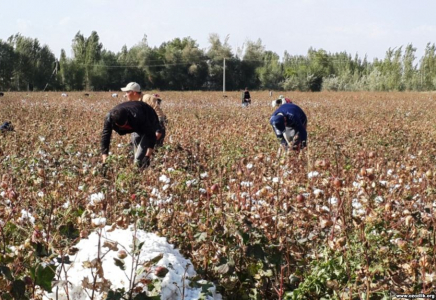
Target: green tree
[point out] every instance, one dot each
(109, 72)
(45, 65)
(409, 76)
(252, 60)
(141, 60)
(296, 71)
(348, 74)
(25, 50)
(270, 73)
(87, 53)
(7, 62)
(427, 68)
(130, 66)
(174, 67)
(197, 68)
(320, 66)
(71, 74)
(34, 64)
(185, 65)
(393, 69)
(218, 51)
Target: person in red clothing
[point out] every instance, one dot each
(281, 100)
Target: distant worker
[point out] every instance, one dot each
(133, 93)
(281, 100)
(246, 98)
(6, 126)
(137, 118)
(289, 123)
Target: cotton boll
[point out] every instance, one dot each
(122, 254)
(312, 174)
(98, 222)
(318, 193)
(163, 178)
(96, 198)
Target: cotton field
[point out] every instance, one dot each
(220, 213)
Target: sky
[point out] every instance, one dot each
(364, 28)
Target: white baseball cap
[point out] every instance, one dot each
(132, 86)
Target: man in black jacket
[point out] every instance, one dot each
(137, 118)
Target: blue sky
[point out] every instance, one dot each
(365, 27)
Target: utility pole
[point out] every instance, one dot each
(224, 63)
(224, 75)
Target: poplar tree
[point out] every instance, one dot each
(7, 63)
(87, 53)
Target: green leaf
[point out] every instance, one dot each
(6, 296)
(140, 270)
(43, 276)
(201, 236)
(69, 231)
(302, 241)
(244, 236)
(119, 263)
(6, 272)
(205, 288)
(256, 251)
(18, 290)
(143, 296)
(139, 246)
(153, 260)
(267, 273)
(222, 269)
(253, 268)
(10, 228)
(114, 295)
(377, 268)
(40, 250)
(78, 212)
(161, 271)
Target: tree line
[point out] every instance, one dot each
(26, 65)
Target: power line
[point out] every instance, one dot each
(149, 66)
(298, 61)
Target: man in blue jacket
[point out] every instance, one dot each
(289, 123)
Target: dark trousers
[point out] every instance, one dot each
(246, 102)
(140, 146)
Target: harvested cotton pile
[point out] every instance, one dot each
(161, 270)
